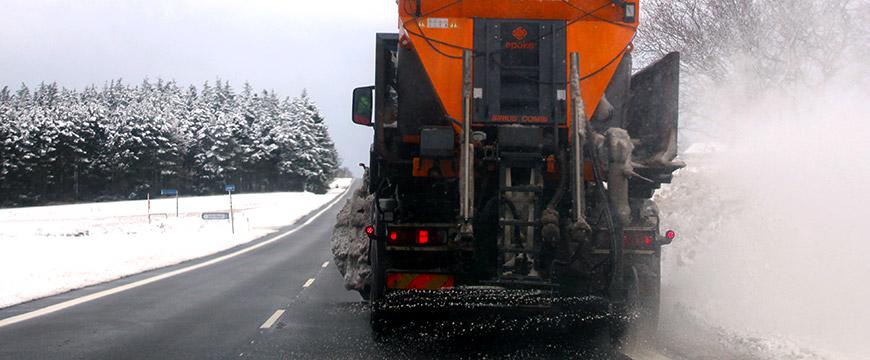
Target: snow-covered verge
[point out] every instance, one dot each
(771, 236)
(53, 249)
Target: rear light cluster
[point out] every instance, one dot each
(639, 240)
(417, 237)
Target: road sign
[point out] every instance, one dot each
(229, 188)
(216, 216)
(168, 192)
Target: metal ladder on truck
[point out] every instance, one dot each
(520, 210)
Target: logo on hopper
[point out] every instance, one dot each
(520, 33)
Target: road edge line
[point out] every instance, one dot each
(118, 289)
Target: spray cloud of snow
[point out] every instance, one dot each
(773, 228)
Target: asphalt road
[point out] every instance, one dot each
(283, 300)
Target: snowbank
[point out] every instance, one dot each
(350, 245)
(53, 249)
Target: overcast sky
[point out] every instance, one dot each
(325, 46)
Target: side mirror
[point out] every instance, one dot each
(362, 105)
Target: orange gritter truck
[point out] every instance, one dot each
(514, 159)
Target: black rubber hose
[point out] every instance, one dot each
(611, 224)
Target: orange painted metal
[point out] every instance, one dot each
(588, 171)
(601, 47)
(512, 9)
(423, 167)
(443, 63)
(411, 139)
(551, 164)
(595, 30)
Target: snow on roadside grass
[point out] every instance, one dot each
(52, 249)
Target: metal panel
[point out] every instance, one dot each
(419, 104)
(653, 111)
(437, 141)
(519, 71)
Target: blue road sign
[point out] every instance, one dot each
(169, 192)
(216, 216)
(229, 188)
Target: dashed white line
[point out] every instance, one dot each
(325, 264)
(308, 283)
(81, 300)
(272, 319)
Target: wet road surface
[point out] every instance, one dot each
(283, 299)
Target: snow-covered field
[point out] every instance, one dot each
(52, 249)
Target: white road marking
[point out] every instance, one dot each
(81, 300)
(272, 319)
(308, 283)
(325, 264)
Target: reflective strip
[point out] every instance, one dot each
(418, 281)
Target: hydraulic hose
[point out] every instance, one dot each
(611, 223)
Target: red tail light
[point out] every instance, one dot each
(402, 236)
(423, 237)
(638, 240)
(670, 234)
(370, 231)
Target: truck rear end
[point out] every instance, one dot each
(515, 153)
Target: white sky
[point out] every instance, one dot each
(325, 46)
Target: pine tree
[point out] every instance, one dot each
(8, 137)
(319, 158)
(93, 170)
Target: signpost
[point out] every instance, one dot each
(229, 189)
(171, 192)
